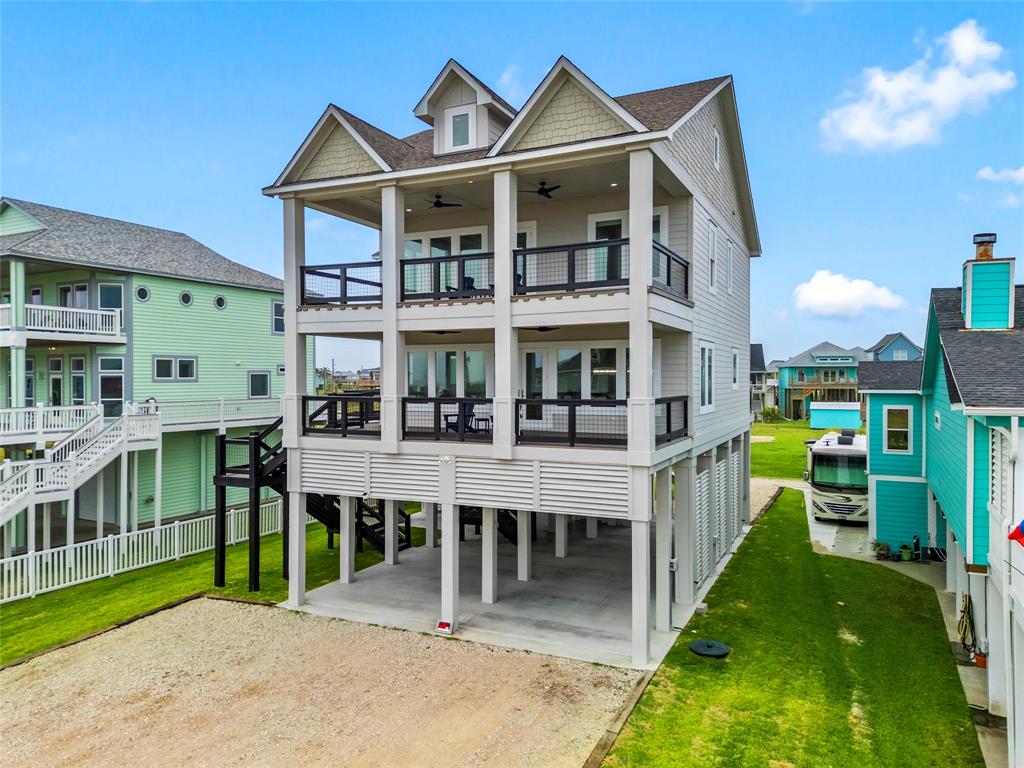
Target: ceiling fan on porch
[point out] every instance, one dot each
(437, 202)
(545, 191)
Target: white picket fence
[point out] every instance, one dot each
(34, 573)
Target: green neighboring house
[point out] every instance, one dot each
(944, 436)
(105, 326)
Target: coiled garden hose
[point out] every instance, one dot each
(965, 627)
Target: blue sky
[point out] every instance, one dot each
(176, 115)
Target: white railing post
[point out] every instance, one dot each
(111, 554)
(220, 406)
(39, 423)
(177, 539)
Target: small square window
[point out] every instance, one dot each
(111, 363)
(278, 317)
(259, 384)
(938, 420)
(186, 368)
(77, 364)
(280, 370)
(460, 130)
(56, 364)
(163, 368)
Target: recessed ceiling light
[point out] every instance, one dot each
(470, 181)
(615, 183)
(408, 210)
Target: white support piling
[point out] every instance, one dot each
(296, 549)
(641, 592)
(347, 545)
(489, 556)
(663, 549)
(524, 548)
(430, 512)
(390, 532)
(449, 565)
(591, 527)
(561, 535)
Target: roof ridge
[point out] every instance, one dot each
(98, 216)
(367, 122)
(676, 85)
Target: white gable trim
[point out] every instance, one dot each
(696, 107)
(316, 137)
(542, 95)
(483, 96)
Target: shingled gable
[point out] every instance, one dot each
(342, 144)
(485, 95)
(565, 85)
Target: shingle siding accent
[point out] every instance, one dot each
(571, 115)
(339, 155)
(693, 146)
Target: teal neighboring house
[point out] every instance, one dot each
(944, 435)
(107, 325)
(825, 373)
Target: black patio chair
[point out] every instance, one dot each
(465, 414)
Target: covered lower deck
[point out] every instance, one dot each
(577, 606)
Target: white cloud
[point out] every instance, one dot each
(904, 108)
(1011, 201)
(836, 295)
(1011, 175)
(781, 315)
(510, 84)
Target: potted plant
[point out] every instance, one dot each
(906, 552)
(881, 549)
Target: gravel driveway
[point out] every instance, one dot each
(218, 683)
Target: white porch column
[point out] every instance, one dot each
(123, 495)
(714, 490)
(297, 548)
(133, 460)
(745, 478)
(158, 484)
(30, 527)
(561, 535)
(390, 533)
(506, 346)
(952, 563)
(430, 512)
(641, 338)
(524, 545)
(997, 656)
(69, 522)
(100, 503)
(8, 531)
(392, 361)
(685, 473)
(449, 564)
(489, 544)
(295, 385)
(347, 546)
(641, 576)
(591, 527)
(663, 549)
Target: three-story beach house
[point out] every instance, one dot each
(562, 305)
(124, 349)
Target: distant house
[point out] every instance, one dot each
(762, 383)
(895, 346)
(943, 438)
(824, 373)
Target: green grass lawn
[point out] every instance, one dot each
(34, 624)
(786, 456)
(834, 662)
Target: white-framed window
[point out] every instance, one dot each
(842, 375)
(185, 368)
(801, 376)
(937, 420)
(277, 318)
(735, 369)
(707, 377)
(459, 127)
(78, 381)
(220, 301)
(259, 384)
(712, 256)
(111, 377)
(142, 293)
(899, 354)
(185, 297)
(718, 150)
(897, 434)
(163, 369)
(35, 296)
(280, 370)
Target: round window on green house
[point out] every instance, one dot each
(142, 293)
(186, 298)
(220, 302)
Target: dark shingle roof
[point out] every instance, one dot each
(657, 109)
(757, 358)
(889, 375)
(888, 339)
(98, 242)
(661, 108)
(985, 365)
(825, 348)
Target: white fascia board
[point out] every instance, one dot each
(889, 391)
(483, 96)
(992, 411)
(542, 93)
(482, 164)
(319, 135)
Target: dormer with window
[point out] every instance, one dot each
(464, 113)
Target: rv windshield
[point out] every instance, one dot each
(840, 471)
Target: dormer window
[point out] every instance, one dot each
(459, 127)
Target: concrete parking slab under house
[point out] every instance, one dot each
(576, 607)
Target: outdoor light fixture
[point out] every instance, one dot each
(443, 628)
